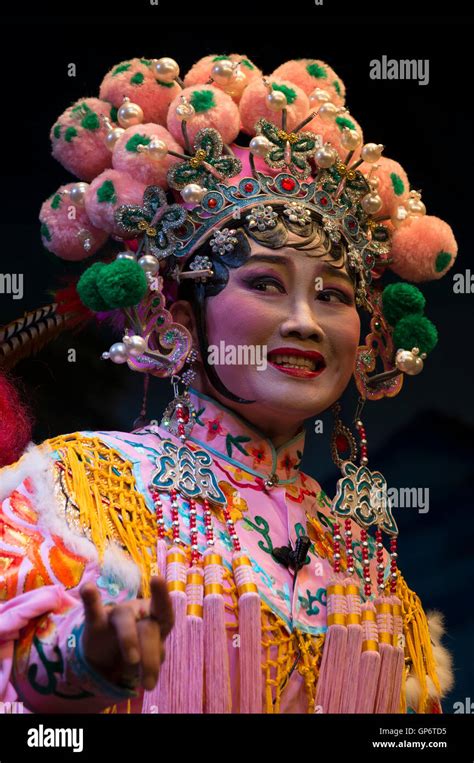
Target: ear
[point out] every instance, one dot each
(183, 313)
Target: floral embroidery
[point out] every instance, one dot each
(214, 426)
(231, 441)
(235, 503)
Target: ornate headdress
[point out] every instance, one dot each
(151, 133)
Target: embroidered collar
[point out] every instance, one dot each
(224, 433)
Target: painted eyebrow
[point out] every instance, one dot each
(274, 259)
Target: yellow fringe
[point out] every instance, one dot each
(418, 649)
(107, 503)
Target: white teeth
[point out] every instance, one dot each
(294, 361)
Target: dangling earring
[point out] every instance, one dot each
(142, 420)
(179, 415)
(343, 443)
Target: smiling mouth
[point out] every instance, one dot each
(304, 364)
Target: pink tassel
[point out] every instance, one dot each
(161, 551)
(354, 646)
(150, 698)
(331, 674)
(172, 689)
(369, 661)
(383, 609)
(218, 698)
(250, 635)
(194, 640)
(398, 657)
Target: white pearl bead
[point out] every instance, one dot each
(408, 363)
(77, 193)
(328, 112)
(185, 110)
(149, 263)
(319, 96)
(135, 344)
(276, 100)
(415, 207)
(157, 149)
(371, 152)
(125, 256)
(193, 193)
(118, 353)
(129, 113)
(222, 72)
(165, 69)
(86, 239)
(112, 137)
(237, 84)
(260, 145)
(371, 203)
(325, 156)
(350, 139)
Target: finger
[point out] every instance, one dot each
(161, 607)
(150, 649)
(122, 618)
(94, 611)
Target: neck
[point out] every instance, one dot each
(278, 432)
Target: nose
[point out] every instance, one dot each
(302, 322)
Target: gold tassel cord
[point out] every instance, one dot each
(101, 486)
(418, 646)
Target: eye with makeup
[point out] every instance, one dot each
(255, 281)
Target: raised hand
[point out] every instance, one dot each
(124, 642)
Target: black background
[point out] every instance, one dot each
(422, 438)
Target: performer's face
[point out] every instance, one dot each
(276, 305)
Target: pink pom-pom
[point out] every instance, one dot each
(310, 74)
(254, 106)
(135, 79)
(66, 229)
(140, 165)
(78, 138)
(213, 108)
(106, 193)
(331, 132)
(200, 73)
(393, 187)
(423, 249)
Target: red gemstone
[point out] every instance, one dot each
(185, 414)
(342, 443)
(212, 203)
(324, 201)
(288, 184)
(248, 187)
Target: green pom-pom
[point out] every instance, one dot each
(202, 100)
(397, 184)
(70, 133)
(88, 291)
(91, 121)
(415, 331)
(106, 193)
(121, 68)
(288, 91)
(442, 260)
(57, 130)
(137, 79)
(345, 122)
(137, 140)
(56, 202)
(122, 284)
(45, 232)
(401, 299)
(316, 70)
